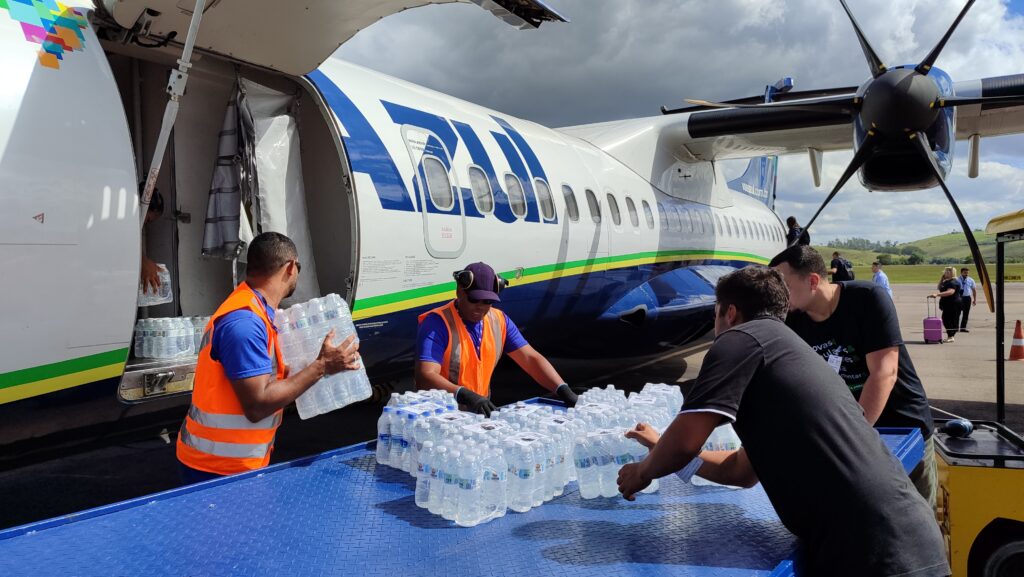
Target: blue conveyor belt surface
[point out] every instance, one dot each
(342, 514)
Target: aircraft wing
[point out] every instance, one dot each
(290, 36)
(700, 133)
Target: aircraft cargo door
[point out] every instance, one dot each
(436, 194)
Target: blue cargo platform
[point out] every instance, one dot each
(339, 513)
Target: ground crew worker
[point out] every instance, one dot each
(828, 474)
(854, 327)
(241, 384)
(460, 343)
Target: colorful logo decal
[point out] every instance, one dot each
(57, 28)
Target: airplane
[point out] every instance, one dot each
(612, 235)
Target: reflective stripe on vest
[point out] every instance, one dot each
(235, 422)
(223, 449)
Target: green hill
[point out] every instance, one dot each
(951, 246)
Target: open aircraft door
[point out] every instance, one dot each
(287, 36)
(437, 194)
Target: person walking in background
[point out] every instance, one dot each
(968, 297)
(796, 234)
(840, 268)
(880, 278)
(949, 302)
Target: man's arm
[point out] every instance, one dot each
(974, 296)
(537, 367)
(428, 376)
(723, 467)
(882, 367)
(262, 396)
(681, 442)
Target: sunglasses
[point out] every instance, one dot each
(478, 301)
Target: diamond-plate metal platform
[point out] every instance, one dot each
(340, 513)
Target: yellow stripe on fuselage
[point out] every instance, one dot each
(62, 382)
(541, 277)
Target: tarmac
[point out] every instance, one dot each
(959, 377)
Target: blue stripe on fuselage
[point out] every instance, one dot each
(366, 152)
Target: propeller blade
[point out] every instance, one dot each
(839, 104)
(866, 149)
(967, 100)
(874, 62)
(920, 140)
(929, 60)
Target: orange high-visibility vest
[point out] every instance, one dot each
(462, 365)
(216, 436)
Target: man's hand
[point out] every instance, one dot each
(474, 402)
(568, 396)
(633, 479)
(644, 434)
(344, 357)
(150, 275)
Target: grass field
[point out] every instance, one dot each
(930, 273)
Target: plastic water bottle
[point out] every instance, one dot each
(160, 295)
(140, 336)
(423, 466)
(587, 474)
(384, 437)
(408, 462)
(450, 491)
(494, 483)
(397, 438)
(606, 465)
(467, 513)
(437, 465)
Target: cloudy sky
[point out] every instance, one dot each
(626, 58)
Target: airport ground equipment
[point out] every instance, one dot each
(340, 513)
(981, 500)
(981, 476)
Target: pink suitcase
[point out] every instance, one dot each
(932, 323)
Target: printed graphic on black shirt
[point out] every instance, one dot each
(845, 361)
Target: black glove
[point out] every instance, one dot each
(474, 402)
(567, 395)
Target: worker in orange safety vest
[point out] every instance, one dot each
(460, 343)
(241, 384)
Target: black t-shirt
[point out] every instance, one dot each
(865, 321)
(952, 301)
(842, 273)
(828, 474)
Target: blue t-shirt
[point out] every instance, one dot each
(432, 337)
(240, 343)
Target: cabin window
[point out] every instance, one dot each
(634, 218)
(438, 184)
(516, 196)
(735, 227)
(483, 196)
(685, 221)
(662, 216)
(570, 203)
(648, 215)
(547, 204)
(595, 207)
(705, 219)
(613, 208)
(718, 226)
(673, 219)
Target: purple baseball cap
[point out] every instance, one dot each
(484, 283)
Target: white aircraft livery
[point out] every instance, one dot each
(612, 235)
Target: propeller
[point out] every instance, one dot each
(896, 104)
